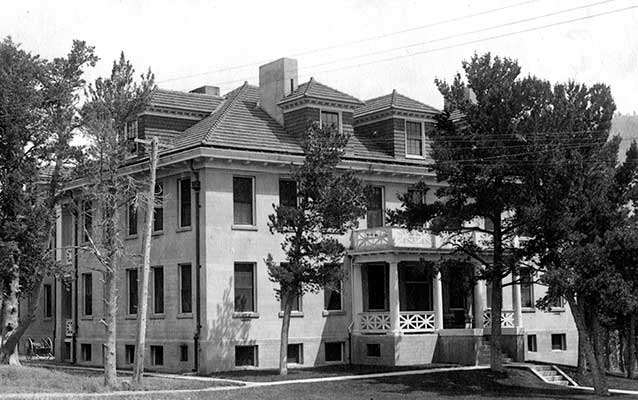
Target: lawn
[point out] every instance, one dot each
(22, 379)
(272, 375)
(477, 384)
(614, 381)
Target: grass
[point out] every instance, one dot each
(614, 381)
(21, 380)
(272, 375)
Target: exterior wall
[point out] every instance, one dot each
(42, 327)
(297, 121)
(382, 132)
(163, 123)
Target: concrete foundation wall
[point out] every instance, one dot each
(458, 349)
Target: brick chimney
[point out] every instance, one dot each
(277, 80)
(212, 90)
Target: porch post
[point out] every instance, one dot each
(394, 298)
(357, 296)
(480, 302)
(438, 301)
(516, 299)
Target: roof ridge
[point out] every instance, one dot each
(186, 93)
(224, 109)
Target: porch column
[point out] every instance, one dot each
(480, 302)
(394, 298)
(516, 300)
(438, 301)
(58, 233)
(357, 296)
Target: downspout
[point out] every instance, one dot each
(75, 290)
(54, 306)
(196, 186)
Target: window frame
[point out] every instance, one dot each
(130, 293)
(255, 358)
(47, 298)
(159, 199)
(563, 341)
(153, 350)
(245, 313)
(180, 274)
(86, 352)
(288, 179)
(129, 349)
(87, 295)
(152, 282)
(183, 353)
(532, 343)
(383, 208)
(341, 352)
(129, 208)
(180, 222)
(300, 358)
(87, 215)
(253, 223)
(331, 311)
(332, 111)
(405, 130)
(528, 273)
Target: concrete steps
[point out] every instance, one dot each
(552, 374)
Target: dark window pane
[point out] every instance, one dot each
(183, 352)
(132, 291)
(85, 350)
(158, 211)
(377, 287)
(416, 196)
(242, 201)
(287, 193)
(186, 288)
(157, 355)
(244, 287)
(87, 283)
(48, 301)
(375, 208)
(132, 219)
(329, 120)
(332, 297)
(414, 139)
(245, 355)
(373, 350)
(334, 351)
(129, 353)
(415, 287)
(531, 343)
(527, 295)
(185, 203)
(158, 290)
(559, 341)
(295, 353)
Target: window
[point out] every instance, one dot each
(131, 278)
(87, 220)
(287, 193)
(333, 351)
(183, 352)
(184, 203)
(158, 290)
(376, 278)
(531, 343)
(330, 119)
(48, 301)
(87, 294)
(457, 296)
(244, 287)
(129, 353)
(526, 285)
(556, 304)
(157, 355)
(375, 207)
(413, 139)
(245, 356)
(296, 304)
(158, 210)
(131, 130)
(85, 351)
(415, 287)
(332, 297)
(185, 288)
(243, 201)
(559, 342)
(416, 195)
(373, 350)
(132, 219)
(295, 353)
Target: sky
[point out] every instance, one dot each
(365, 48)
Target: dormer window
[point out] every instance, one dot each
(414, 139)
(131, 135)
(331, 119)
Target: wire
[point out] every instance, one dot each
(358, 41)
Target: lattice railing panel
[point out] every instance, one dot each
(374, 322)
(418, 321)
(507, 319)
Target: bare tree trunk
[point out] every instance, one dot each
(10, 322)
(138, 368)
(287, 300)
(630, 347)
(496, 359)
(582, 358)
(588, 336)
(110, 300)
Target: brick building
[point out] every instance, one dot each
(228, 163)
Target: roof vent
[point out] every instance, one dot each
(211, 90)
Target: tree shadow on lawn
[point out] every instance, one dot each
(514, 383)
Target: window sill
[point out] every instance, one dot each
(334, 362)
(245, 315)
(293, 314)
(558, 351)
(47, 319)
(243, 228)
(185, 316)
(184, 229)
(158, 233)
(414, 157)
(158, 316)
(329, 313)
(557, 309)
(131, 237)
(86, 318)
(131, 316)
(528, 310)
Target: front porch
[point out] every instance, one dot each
(400, 302)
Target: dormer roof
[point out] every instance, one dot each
(394, 100)
(317, 90)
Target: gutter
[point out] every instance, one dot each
(196, 186)
(75, 291)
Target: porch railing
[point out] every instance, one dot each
(507, 319)
(412, 322)
(386, 237)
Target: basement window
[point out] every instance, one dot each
(245, 356)
(295, 353)
(183, 352)
(531, 343)
(129, 353)
(373, 350)
(559, 342)
(157, 355)
(334, 351)
(85, 350)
